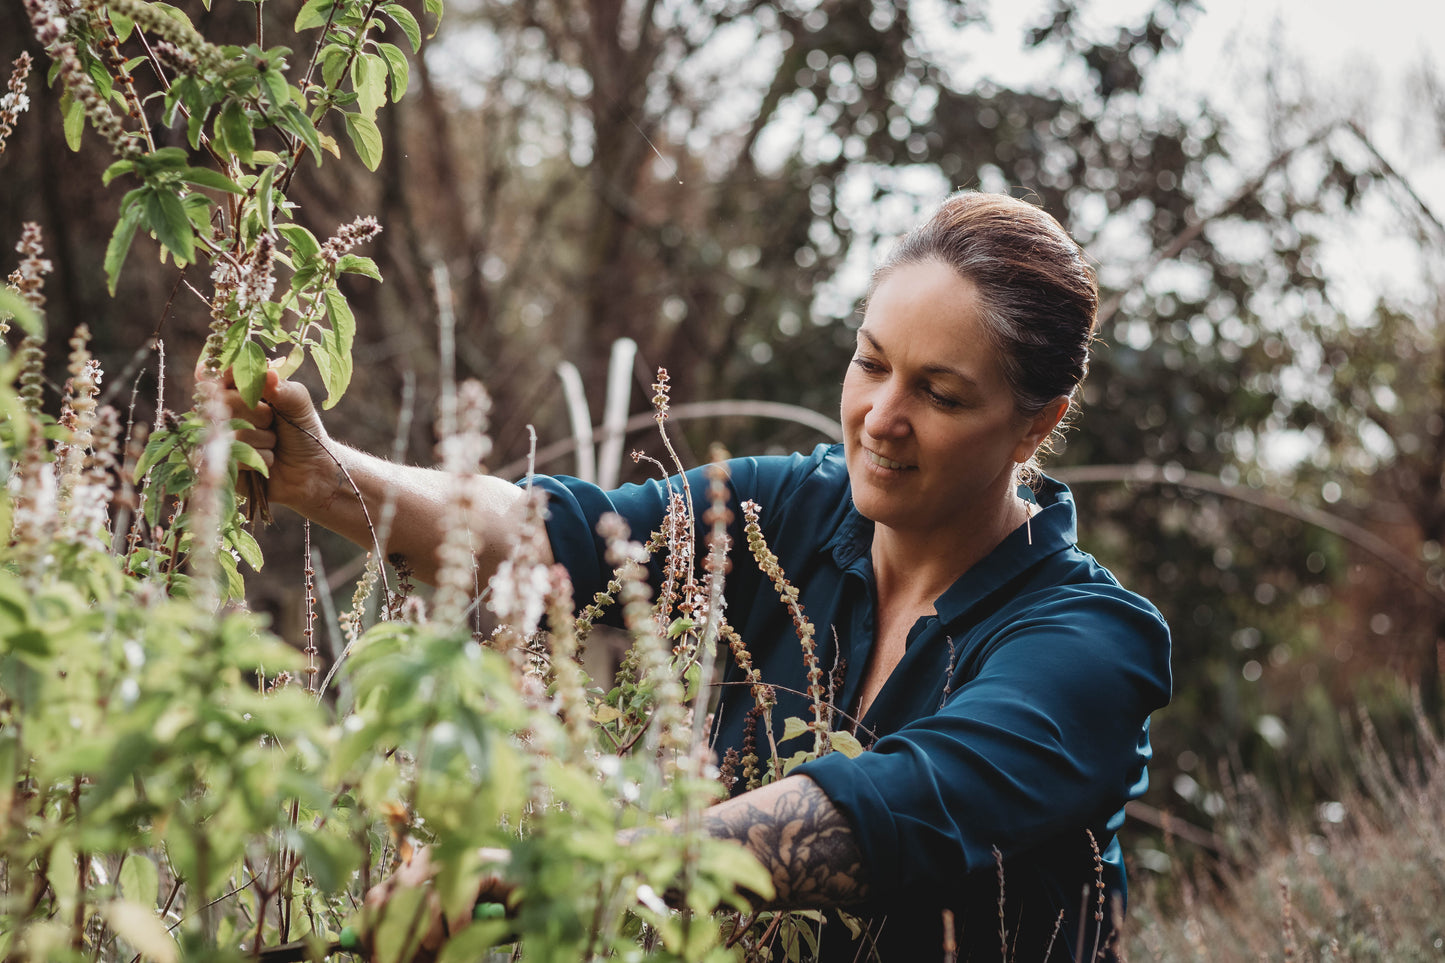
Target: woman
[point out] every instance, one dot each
(1003, 677)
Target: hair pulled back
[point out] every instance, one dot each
(1037, 297)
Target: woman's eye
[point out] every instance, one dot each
(943, 401)
(867, 364)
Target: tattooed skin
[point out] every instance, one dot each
(801, 838)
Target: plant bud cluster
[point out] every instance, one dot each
(15, 101)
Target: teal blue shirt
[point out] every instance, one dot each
(1016, 720)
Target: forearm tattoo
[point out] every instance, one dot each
(801, 838)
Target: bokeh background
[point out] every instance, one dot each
(1262, 440)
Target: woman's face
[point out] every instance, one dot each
(930, 430)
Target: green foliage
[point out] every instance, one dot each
(174, 784)
(171, 787)
(242, 110)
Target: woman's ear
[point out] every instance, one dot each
(1039, 427)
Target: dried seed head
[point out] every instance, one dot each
(32, 485)
(47, 20)
(461, 454)
(258, 280)
(348, 236)
(660, 390)
(16, 101)
(32, 373)
(164, 27)
(29, 277)
(178, 59)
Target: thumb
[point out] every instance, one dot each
(288, 397)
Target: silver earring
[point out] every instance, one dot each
(1029, 525)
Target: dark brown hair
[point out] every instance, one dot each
(1037, 296)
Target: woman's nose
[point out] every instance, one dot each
(887, 415)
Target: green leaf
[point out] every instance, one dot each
(174, 12)
(340, 369)
(333, 62)
(198, 209)
(32, 641)
(246, 546)
(233, 586)
(140, 880)
(115, 170)
(796, 760)
(398, 71)
(204, 177)
(74, 113)
(329, 858)
(101, 76)
(119, 245)
(264, 199)
(140, 927)
(248, 456)
(161, 444)
(368, 77)
(739, 866)
(165, 159)
(165, 216)
(793, 727)
(314, 13)
(343, 322)
(194, 125)
(358, 264)
(404, 19)
(473, 942)
(278, 92)
(123, 26)
(250, 371)
(846, 743)
(16, 306)
(292, 364)
(234, 340)
(235, 130)
(304, 246)
(305, 274)
(336, 348)
(299, 124)
(434, 7)
(366, 138)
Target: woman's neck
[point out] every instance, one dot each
(914, 568)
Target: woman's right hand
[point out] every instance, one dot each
(288, 435)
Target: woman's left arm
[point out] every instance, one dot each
(793, 829)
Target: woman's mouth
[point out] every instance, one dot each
(882, 462)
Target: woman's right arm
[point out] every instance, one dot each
(345, 489)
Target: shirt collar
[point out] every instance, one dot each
(1052, 528)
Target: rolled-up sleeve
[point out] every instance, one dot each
(1049, 732)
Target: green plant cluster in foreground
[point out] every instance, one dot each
(177, 782)
(175, 786)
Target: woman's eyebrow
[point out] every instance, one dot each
(949, 371)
